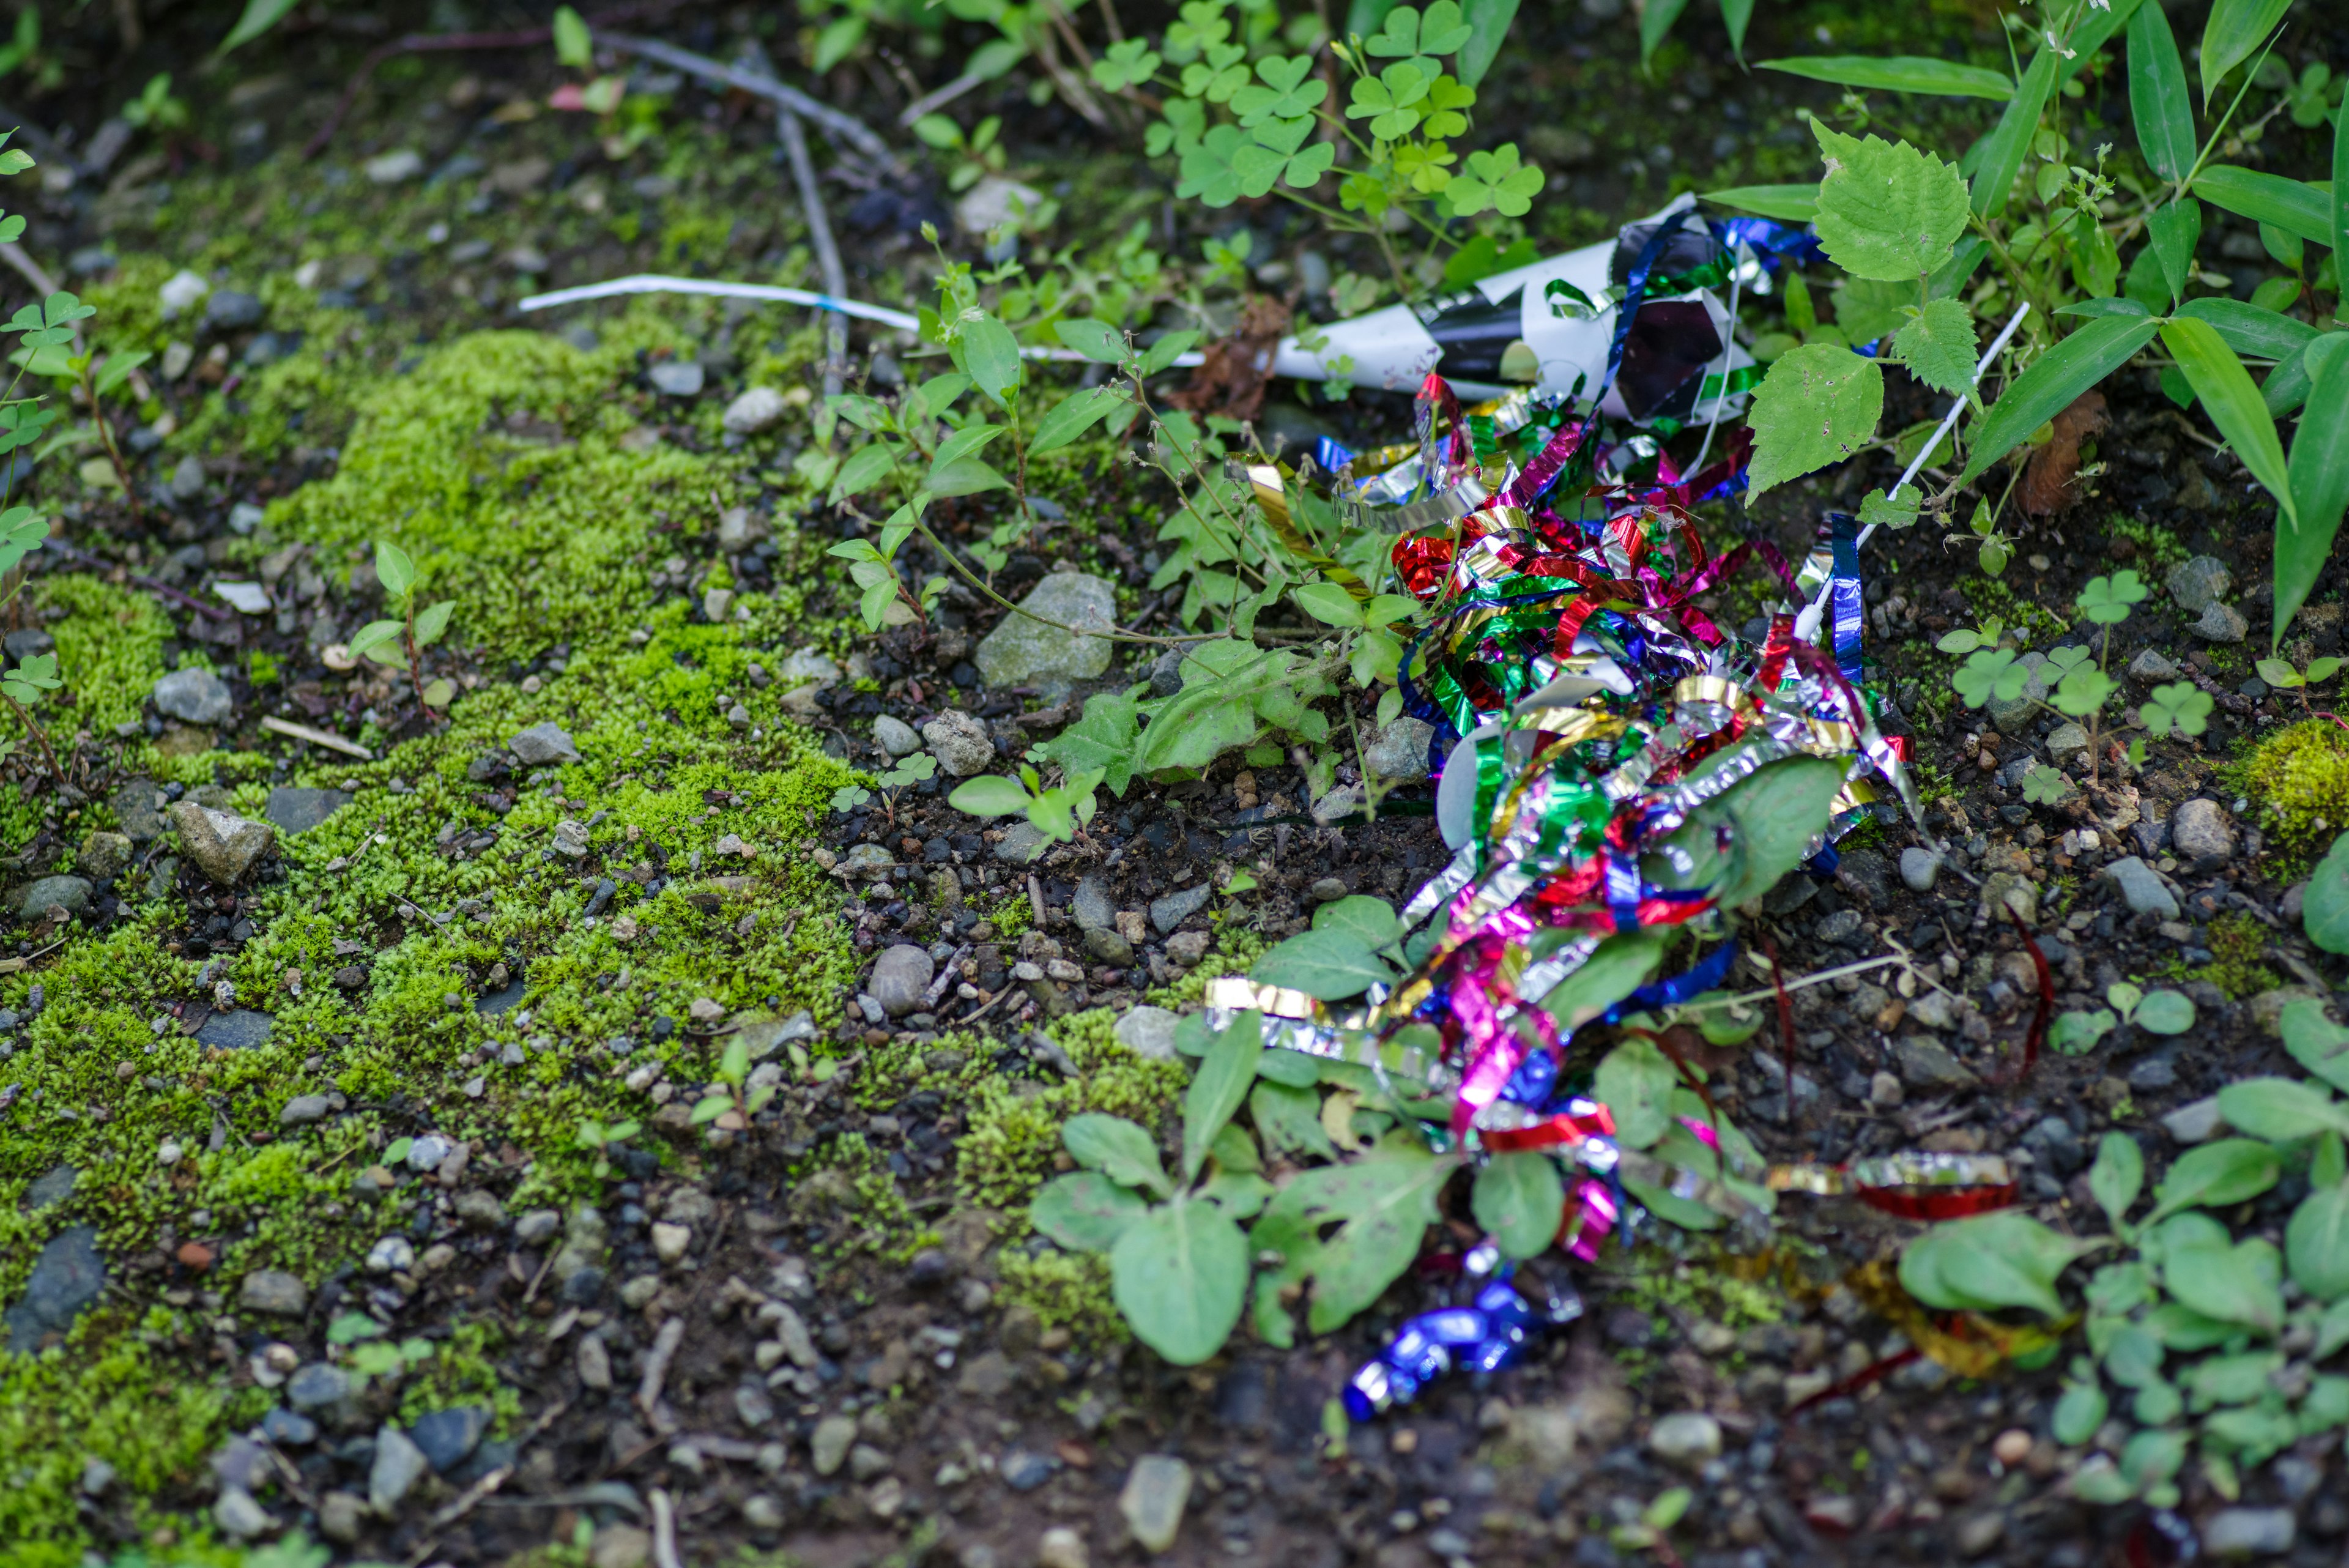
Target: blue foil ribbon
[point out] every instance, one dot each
(1843, 593)
(1486, 1336)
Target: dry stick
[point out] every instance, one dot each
(827, 250)
(664, 1343)
(457, 43)
(846, 127)
(940, 97)
(664, 1531)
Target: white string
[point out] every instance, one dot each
(1736, 280)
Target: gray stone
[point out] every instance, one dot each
(738, 528)
(304, 1109)
(960, 744)
(1687, 1438)
(138, 811)
(28, 643)
(1023, 1471)
(2200, 832)
(828, 1445)
(1978, 1532)
(808, 664)
(2151, 668)
(1167, 674)
(570, 839)
(222, 844)
(2003, 890)
(342, 1514)
(1920, 868)
(2250, 1532)
(1107, 947)
(391, 1255)
(1021, 651)
(900, 976)
(287, 1430)
(316, 1385)
(1865, 873)
(754, 411)
(752, 1405)
(399, 1464)
(1155, 1492)
(242, 1030)
(293, 810)
(2223, 623)
(895, 736)
(2066, 742)
(1925, 1064)
(193, 697)
(232, 309)
(30, 900)
(2199, 583)
(2018, 715)
(994, 202)
(238, 1515)
(447, 1438)
(678, 378)
(536, 1226)
(1843, 926)
(2197, 1122)
(51, 1187)
(1022, 842)
(1092, 906)
(1187, 948)
(1171, 911)
(543, 743)
(479, 1209)
(1400, 749)
(866, 1461)
(1148, 1032)
(97, 1477)
(103, 856)
(2141, 888)
(275, 1291)
(66, 1277)
(426, 1153)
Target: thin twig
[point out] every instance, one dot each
(664, 1531)
(656, 1360)
(940, 97)
(845, 127)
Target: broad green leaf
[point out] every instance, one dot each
(2213, 1175)
(2159, 104)
(1369, 920)
(2316, 1243)
(1520, 1200)
(433, 620)
(1329, 603)
(2004, 149)
(1179, 1274)
(1990, 1262)
(1898, 73)
(989, 794)
(2165, 1012)
(1787, 203)
(1386, 1202)
(393, 569)
(2319, 472)
(867, 466)
(2173, 232)
(1775, 814)
(964, 476)
(1635, 1081)
(2281, 1110)
(1073, 416)
(375, 635)
(1886, 210)
(1656, 19)
(1085, 1211)
(2052, 383)
(1287, 1116)
(2082, 1408)
(2250, 330)
(1818, 405)
(1328, 964)
(1218, 1087)
(1103, 739)
(2291, 205)
(1619, 966)
(1938, 348)
(1893, 509)
(2233, 34)
(990, 357)
(1116, 1147)
(2234, 403)
(2229, 1284)
(260, 16)
(1096, 340)
(1488, 26)
(2324, 914)
(2117, 1177)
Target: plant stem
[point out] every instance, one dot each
(39, 734)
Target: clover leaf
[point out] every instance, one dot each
(2045, 785)
(1495, 180)
(2083, 692)
(1207, 170)
(1128, 63)
(2181, 706)
(1386, 100)
(1990, 674)
(2107, 600)
(1289, 89)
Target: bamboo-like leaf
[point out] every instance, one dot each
(1898, 73)
(1787, 203)
(2158, 103)
(1735, 14)
(2233, 34)
(2057, 376)
(2291, 206)
(2224, 388)
(1656, 19)
(2319, 472)
(2003, 150)
(1488, 27)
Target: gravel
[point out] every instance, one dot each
(2141, 888)
(1152, 1499)
(960, 744)
(223, 845)
(1920, 868)
(900, 976)
(194, 697)
(1171, 911)
(1025, 651)
(543, 743)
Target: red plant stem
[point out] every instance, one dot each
(1859, 1380)
(2031, 1041)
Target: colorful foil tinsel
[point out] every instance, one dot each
(1585, 709)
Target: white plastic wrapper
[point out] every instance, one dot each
(1549, 326)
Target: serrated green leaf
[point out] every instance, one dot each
(1817, 405)
(1938, 348)
(1886, 210)
(1386, 1202)
(1894, 509)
